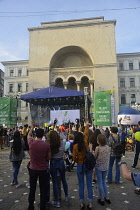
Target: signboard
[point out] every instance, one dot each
(129, 119)
(64, 116)
(102, 108)
(8, 111)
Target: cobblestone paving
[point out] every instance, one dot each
(11, 198)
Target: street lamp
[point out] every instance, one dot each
(86, 101)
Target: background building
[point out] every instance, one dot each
(75, 54)
(1, 83)
(129, 79)
(16, 84)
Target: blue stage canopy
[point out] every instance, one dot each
(129, 111)
(51, 92)
(53, 96)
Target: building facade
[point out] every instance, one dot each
(16, 83)
(75, 54)
(1, 83)
(129, 79)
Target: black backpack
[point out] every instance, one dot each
(89, 161)
(117, 148)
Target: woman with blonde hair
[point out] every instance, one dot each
(80, 148)
(102, 153)
(57, 145)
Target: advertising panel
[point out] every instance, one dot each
(8, 111)
(102, 108)
(128, 119)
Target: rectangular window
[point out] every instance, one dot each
(19, 73)
(11, 87)
(123, 99)
(133, 98)
(122, 82)
(130, 66)
(121, 68)
(27, 87)
(132, 82)
(11, 73)
(139, 65)
(19, 87)
(27, 73)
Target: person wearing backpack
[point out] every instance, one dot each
(80, 149)
(69, 144)
(102, 161)
(112, 141)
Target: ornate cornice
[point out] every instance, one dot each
(105, 65)
(71, 25)
(38, 69)
(67, 74)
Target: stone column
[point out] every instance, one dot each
(91, 82)
(78, 85)
(65, 85)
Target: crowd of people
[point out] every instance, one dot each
(47, 149)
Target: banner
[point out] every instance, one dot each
(8, 111)
(102, 108)
(129, 119)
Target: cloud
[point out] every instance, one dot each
(5, 55)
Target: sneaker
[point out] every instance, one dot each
(137, 191)
(82, 207)
(102, 203)
(109, 182)
(58, 204)
(107, 200)
(18, 185)
(133, 167)
(89, 208)
(94, 181)
(53, 203)
(12, 184)
(123, 155)
(28, 185)
(67, 199)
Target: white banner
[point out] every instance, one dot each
(64, 116)
(128, 119)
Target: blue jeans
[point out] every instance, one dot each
(81, 170)
(136, 153)
(57, 165)
(16, 167)
(101, 180)
(111, 162)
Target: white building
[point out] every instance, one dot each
(128, 64)
(128, 78)
(15, 84)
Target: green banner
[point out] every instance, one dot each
(102, 108)
(8, 111)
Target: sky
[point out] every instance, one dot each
(16, 16)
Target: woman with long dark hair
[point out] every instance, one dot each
(93, 144)
(79, 151)
(57, 145)
(16, 156)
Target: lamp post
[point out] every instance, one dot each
(86, 101)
